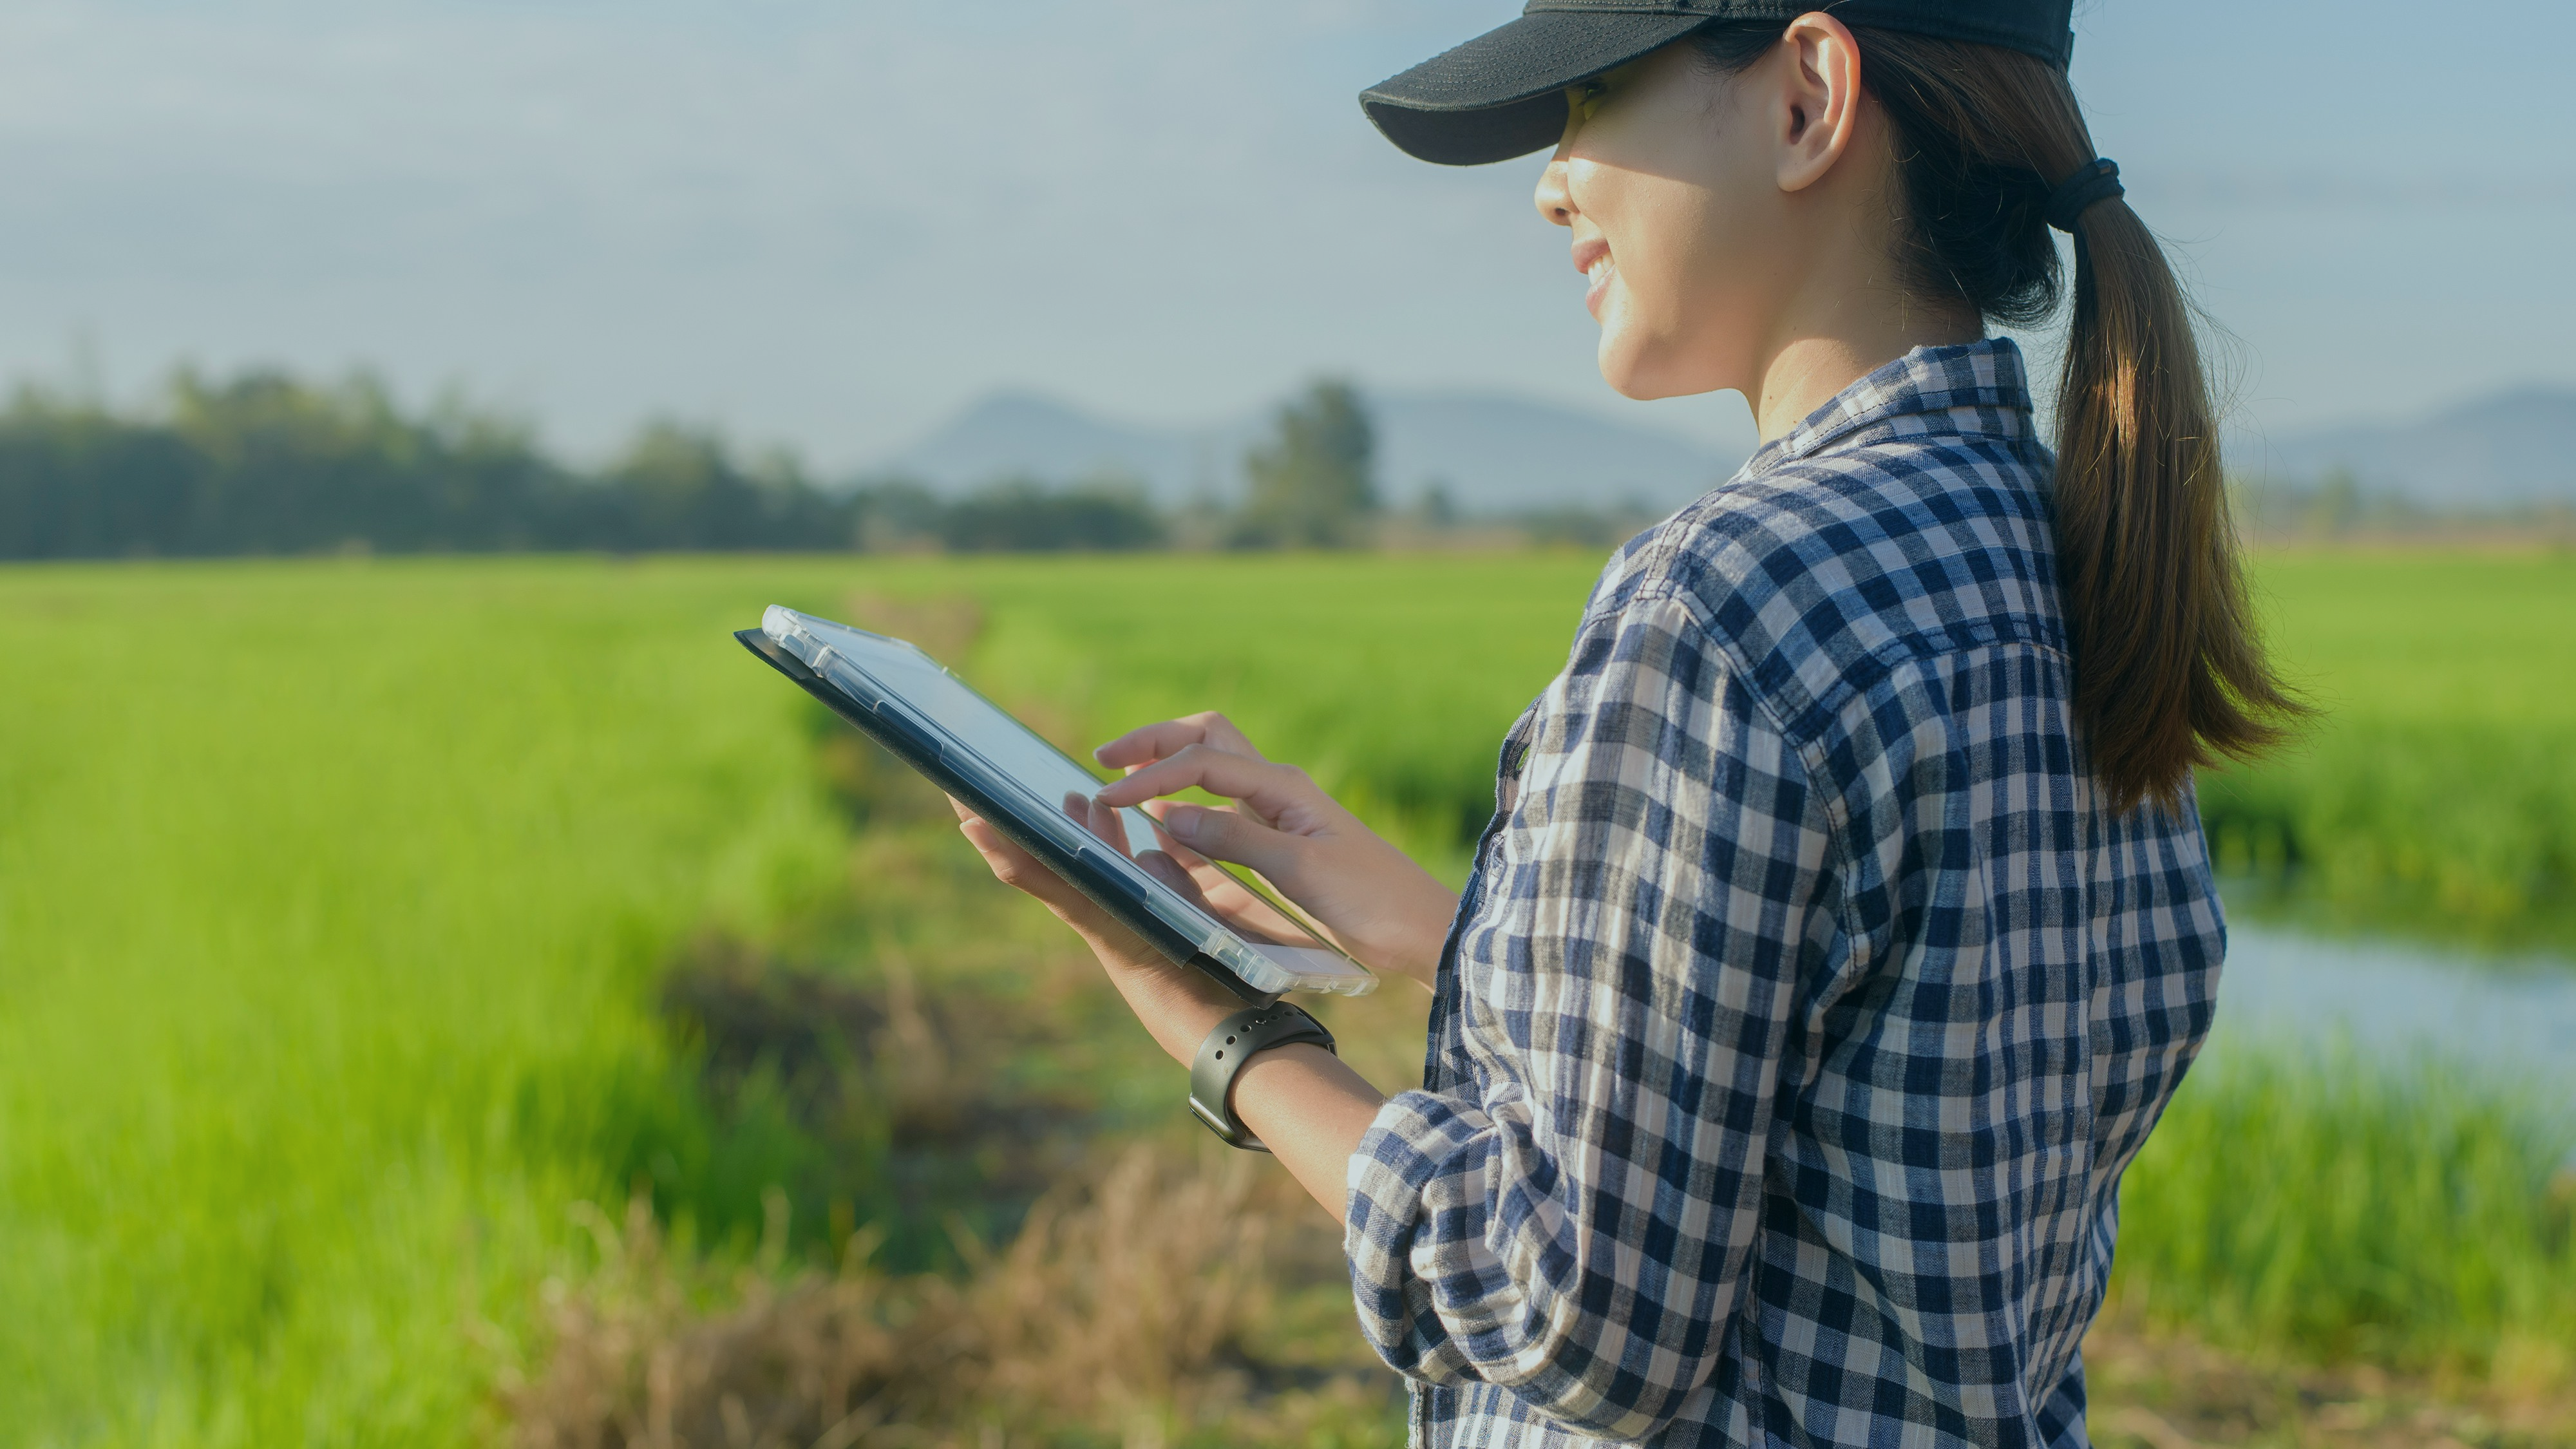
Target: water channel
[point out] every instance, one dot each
(2512, 1017)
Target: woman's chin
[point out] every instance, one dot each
(1619, 364)
(1641, 372)
(1629, 377)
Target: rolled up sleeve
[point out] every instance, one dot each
(1573, 1221)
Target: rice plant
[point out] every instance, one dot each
(2323, 1203)
(2436, 794)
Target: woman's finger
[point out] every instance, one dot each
(1268, 790)
(1214, 880)
(1101, 820)
(1222, 892)
(1170, 737)
(1011, 865)
(1022, 871)
(1149, 743)
(1228, 835)
(1110, 824)
(1222, 734)
(1183, 881)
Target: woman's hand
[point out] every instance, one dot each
(1301, 1101)
(1179, 1005)
(1368, 896)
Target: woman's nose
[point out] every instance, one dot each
(1555, 202)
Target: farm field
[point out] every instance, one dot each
(2437, 797)
(460, 1001)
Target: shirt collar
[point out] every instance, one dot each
(1975, 387)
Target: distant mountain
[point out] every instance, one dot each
(1500, 453)
(1492, 453)
(2509, 448)
(1022, 434)
(1497, 453)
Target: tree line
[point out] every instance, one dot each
(262, 462)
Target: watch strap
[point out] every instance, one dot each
(1232, 1044)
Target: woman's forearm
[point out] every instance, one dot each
(1311, 1110)
(1303, 1102)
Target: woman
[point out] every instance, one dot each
(1845, 922)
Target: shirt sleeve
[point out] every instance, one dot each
(1574, 1223)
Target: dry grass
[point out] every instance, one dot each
(2154, 1389)
(1135, 1304)
(636, 1361)
(933, 1065)
(1133, 1293)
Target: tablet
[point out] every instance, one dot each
(1009, 775)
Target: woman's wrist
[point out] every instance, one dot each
(1178, 1005)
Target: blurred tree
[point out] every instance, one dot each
(77, 482)
(676, 486)
(1020, 515)
(1436, 507)
(1312, 484)
(2336, 505)
(264, 463)
(897, 515)
(681, 487)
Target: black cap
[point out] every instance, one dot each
(1501, 94)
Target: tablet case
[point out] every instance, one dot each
(1097, 881)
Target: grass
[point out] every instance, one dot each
(358, 921)
(330, 899)
(2437, 796)
(2308, 1202)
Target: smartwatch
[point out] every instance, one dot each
(1232, 1044)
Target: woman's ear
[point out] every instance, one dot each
(1819, 98)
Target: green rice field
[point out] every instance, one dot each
(2438, 795)
(360, 923)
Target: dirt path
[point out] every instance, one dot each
(2156, 1391)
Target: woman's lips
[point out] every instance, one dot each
(1592, 259)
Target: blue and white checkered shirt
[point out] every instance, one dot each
(1806, 1002)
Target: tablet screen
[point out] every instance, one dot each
(1007, 745)
(1271, 949)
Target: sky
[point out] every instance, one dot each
(830, 226)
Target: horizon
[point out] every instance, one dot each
(1486, 452)
(144, 401)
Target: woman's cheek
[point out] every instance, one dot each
(1628, 344)
(1641, 316)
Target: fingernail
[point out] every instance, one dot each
(1182, 821)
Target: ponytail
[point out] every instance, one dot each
(2168, 672)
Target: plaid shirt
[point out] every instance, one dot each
(1805, 1004)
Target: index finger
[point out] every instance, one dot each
(1170, 737)
(1269, 790)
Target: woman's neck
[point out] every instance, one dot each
(1853, 328)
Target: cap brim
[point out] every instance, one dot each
(1502, 94)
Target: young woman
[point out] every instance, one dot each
(1845, 922)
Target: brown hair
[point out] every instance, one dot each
(2168, 672)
